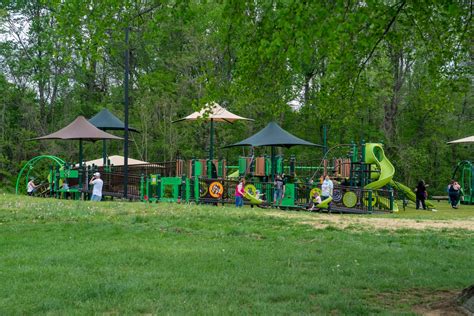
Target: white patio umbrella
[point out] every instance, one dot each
(214, 113)
(464, 140)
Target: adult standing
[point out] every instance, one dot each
(239, 193)
(279, 190)
(97, 182)
(327, 188)
(453, 191)
(421, 195)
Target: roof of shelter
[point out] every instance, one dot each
(115, 160)
(464, 140)
(106, 120)
(80, 128)
(273, 135)
(215, 112)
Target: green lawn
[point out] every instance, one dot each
(69, 257)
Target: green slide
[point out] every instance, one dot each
(386, 203)
(250, 193)
(324, 203)
(253, 198)
(234, 174)
(374, 154)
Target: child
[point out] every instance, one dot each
(31, 187)
(239, 193)
(316, 200)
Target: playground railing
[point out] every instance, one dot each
(113, 185)
(165, 169)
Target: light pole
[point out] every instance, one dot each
(126, 99)
(126, 103)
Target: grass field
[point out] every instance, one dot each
(69, 257)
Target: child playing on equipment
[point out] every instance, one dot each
(239, 193)
(316, 200)
(31, 187)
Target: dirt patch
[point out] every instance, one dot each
(442, 303)
(321, 221)
(422, 302)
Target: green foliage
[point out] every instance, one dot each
(375, 71)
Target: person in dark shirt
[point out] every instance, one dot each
(453, 190)
(279, 190)
(421, 195)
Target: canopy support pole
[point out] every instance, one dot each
(104, 152)
(125, 85)
(325, 139)
(211, 141)
(80, 152)
(272, 152)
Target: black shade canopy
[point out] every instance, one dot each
(105, 120)
(273, 135)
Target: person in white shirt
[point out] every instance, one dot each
(97, 182)
(327, 190)
(31, 187)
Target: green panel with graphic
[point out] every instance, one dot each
(170, 189)
(289, 198)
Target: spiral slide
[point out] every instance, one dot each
(374, 154)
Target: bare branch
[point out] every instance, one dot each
(387, 29)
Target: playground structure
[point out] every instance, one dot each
(464, 172)
(363, 180)
(362, 174)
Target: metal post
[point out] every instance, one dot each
(391, 199)
(80, 152)
(273, 162)
(125, 144)
(81, 178)
(211, 141)
(325, 139)
(370, 201)
(104, 153)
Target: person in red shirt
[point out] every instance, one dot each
(239, 193)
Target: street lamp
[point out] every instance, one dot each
(126, 99)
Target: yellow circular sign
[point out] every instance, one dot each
(349, 199)
(216, 189)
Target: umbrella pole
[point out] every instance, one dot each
(80, 152)
(81, 168)
(211, 141)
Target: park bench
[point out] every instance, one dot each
(440, 198)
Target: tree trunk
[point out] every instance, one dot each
(392, 106)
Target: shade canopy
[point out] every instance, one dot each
(273, 135)
(106, 120)
(115, 160)
(214, 112)
(464, 140)
(80, 129)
